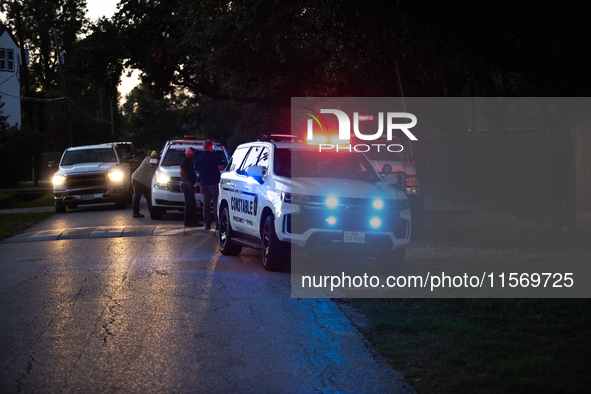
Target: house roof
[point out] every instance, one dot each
(4, 29)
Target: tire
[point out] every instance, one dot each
(391, 260)
(156, 213)
(417, 212)
(121, 204)
(60, 209)
(225, 234)
(274, 252)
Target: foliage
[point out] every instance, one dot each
(39, 18)
(267, 51)
(3, 119)
(247, 59)
(261, 53)
(17, 149)
(91, 72)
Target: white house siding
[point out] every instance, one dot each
(10, 84)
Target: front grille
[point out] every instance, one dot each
(349, 220)
(174, 185)
(74, 181)
(349, 204)
(94, 190)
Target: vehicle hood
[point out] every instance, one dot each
(87, 168)
(397, 166)
(171, 169)
(344, 188)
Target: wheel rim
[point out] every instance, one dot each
(223, 230)
(265, 243)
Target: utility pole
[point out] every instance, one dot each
(112, 117)
(61, 71)
(24, 71)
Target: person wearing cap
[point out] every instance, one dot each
(209, 165)
(188, 180)
(142, 183)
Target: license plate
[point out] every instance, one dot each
(355, 237)
(87, 197)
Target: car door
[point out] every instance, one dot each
(246, 204)
(231, 187)
(257, 189)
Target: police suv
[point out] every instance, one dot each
(281, 196)
(166, 184)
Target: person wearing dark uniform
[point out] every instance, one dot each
(209, 165)
(189, 178)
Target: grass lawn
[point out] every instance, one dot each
(484, 345)
(13, 223)
(26, 200)
(487, 345)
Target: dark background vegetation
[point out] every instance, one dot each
(227, 70)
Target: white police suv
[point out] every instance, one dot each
(166, 184)
(279, 196)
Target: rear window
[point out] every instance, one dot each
(126, 149)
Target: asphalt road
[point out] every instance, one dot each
(147, 313)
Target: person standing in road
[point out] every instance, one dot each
(142, 183)
(189, 178)
(209, 165)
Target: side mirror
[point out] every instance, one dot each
(153, 162)
(256, 173)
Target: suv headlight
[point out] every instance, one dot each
(377, 204)
(58, 180)
(162, 179)
(116, 176)
(294, 198)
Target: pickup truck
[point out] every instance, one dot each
(92, 174)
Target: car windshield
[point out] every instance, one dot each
(93, 155)
(312, 163)
(175, 156)
(384, 154)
